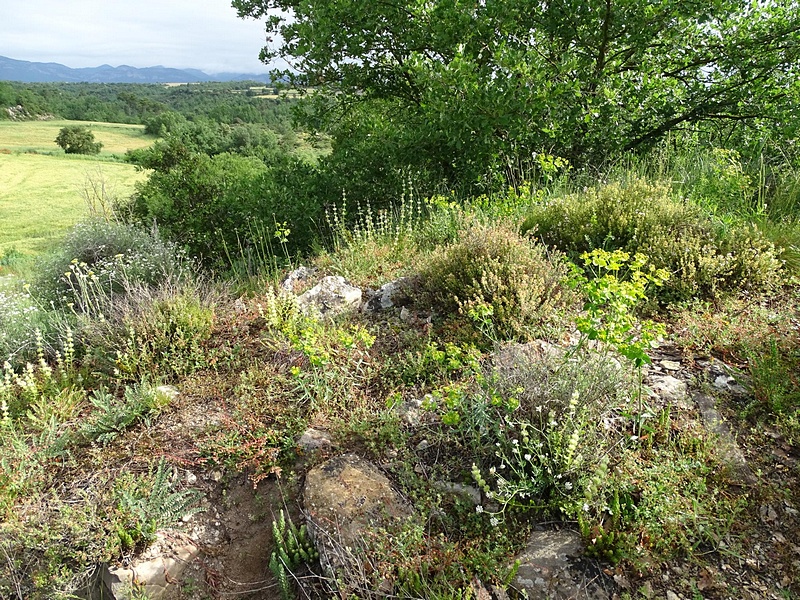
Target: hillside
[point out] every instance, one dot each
(502, 301)
(39, 72)
(446, 364)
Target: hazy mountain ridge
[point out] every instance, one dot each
(39, 72)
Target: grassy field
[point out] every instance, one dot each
(42, 195)
(39, 136)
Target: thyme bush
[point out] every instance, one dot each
(703, 257)
(509, 284)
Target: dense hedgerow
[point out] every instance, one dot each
(703, 257)
(507, 284)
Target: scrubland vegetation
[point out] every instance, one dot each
(543, 266)
(118, 311)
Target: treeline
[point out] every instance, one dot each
(231, 102)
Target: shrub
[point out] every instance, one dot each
(219, 207)
(541, 436)
(153, 332)
(508, 285)
(719, 182)
(100, 259)
(703, 258)
(77, 139)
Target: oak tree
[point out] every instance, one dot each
(78, 139)
(487, 83)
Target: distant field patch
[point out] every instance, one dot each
(41, 196)
(41, 187)
(39, 136)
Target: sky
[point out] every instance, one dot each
(199, 34)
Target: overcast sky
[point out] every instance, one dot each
(200, 34)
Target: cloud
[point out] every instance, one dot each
(201, 34)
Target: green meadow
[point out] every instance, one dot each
(39, 137)
(43, 191)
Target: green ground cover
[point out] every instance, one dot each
(561, 431)
(39, 136)
(43, 192)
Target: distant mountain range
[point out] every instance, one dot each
(36, 72)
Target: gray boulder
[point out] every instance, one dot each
(330, 297)
(551, 568)
(344, 498)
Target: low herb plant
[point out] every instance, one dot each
(510, 286)
(759, 340)
(111, 415)
(259, 425)
(332, 357)
(373, 241)
(293, 548)
(617, 284)
(149, 503)
(164, 336)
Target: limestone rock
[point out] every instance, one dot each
(329, 297)
(511, 356)
(385, 297)
(169, 392)
(671, 365)
(411, 412)
(160, 567)
(297, 277)
(343, 498)
(314, 439)
(549, 569)
(670, 389)
(728, 384)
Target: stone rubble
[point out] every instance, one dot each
(331, 296)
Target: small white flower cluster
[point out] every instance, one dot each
(19, 316)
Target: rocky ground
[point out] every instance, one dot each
(224, 552)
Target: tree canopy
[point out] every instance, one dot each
(489, 83)
(78, 139)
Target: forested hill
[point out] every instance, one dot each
(38, 72)
(222, 102)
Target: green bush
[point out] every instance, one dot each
(77, 139)
(99, 260)
(219, 207)
(703, 257)
(507, 284)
